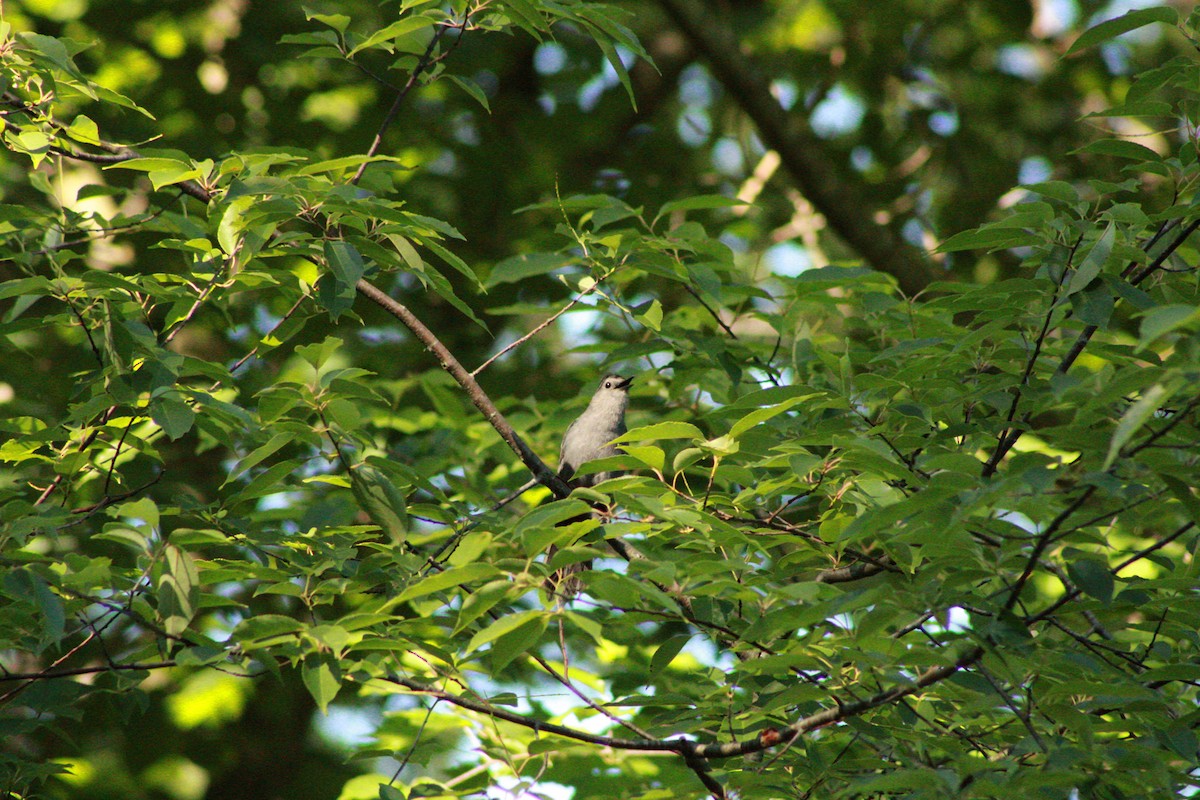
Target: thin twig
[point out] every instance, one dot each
(573, 689)
(549, 321)
(766, 367)
(427, 60)
(1009, 435)
(467, 381)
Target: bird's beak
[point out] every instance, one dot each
(625, 383)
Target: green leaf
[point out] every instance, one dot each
(344, 262)
(661, 430)
(388, 792)
(652, 317)
(1136, 416)
(401, 27)
(667, 651)
(256, 456)
(167, 177)
(442, 286)
(33, 143)
(31, 587)
(1121, 148)
(1055, 190)
(761, 415)
(178, 590)
(121, 534)
(233, 221)
(37, 286)
(151, 164)
(1094, 306)
(1092, 576)
(504, 625)
(652, 457)
(84, 130)
(482, 600)
(322, 677)
(550, 514)
(1097, 256)
(55, 51)
(526, 265)
(520, 640)
(318, 354)
(335, 296)
(989, 238)
(526, 16)
(264, 628)
(454, 261)
(449, 579)
(697, 203)
(721, 446)
(686, 457)
(472, 88)
(384, 503)
(1183, 493)
(1110, 29)
(614, 59)
(339, 22)
(345, 163)
(173, 414)
(1163, 320)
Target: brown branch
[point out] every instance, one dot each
(845, 204)
(1086, 334)
(1043, 541)
(1009, 435)
(1133, 559)
(467, 381)
(189, 187)
(592, 704)
(854, 572)
(766, 367)
(692, 750)
(496, 712)
(113, 153)
(543, 325)
(74, 671)
(840, 712)
(426, 61)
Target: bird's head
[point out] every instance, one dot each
(615, 383)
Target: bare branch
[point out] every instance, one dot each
(74, 671)
(844, 203)
(467, 381)
(695, 750)
(426, 61)
(548, 321)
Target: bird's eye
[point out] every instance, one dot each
(608, 384)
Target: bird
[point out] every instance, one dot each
(591, 435)
(588, 438)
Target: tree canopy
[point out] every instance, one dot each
(294, 300)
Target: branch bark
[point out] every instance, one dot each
(688, 748)
(845, 205)
(467, 381)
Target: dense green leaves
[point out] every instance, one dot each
(865, 544)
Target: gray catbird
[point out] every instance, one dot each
(589, 437)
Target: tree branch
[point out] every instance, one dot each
(845, 205)
(427, 60)
(74, 671)
(688, 748)
(467, 381)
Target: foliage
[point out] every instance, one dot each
(867, 544)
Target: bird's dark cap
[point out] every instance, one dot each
(619, 381)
